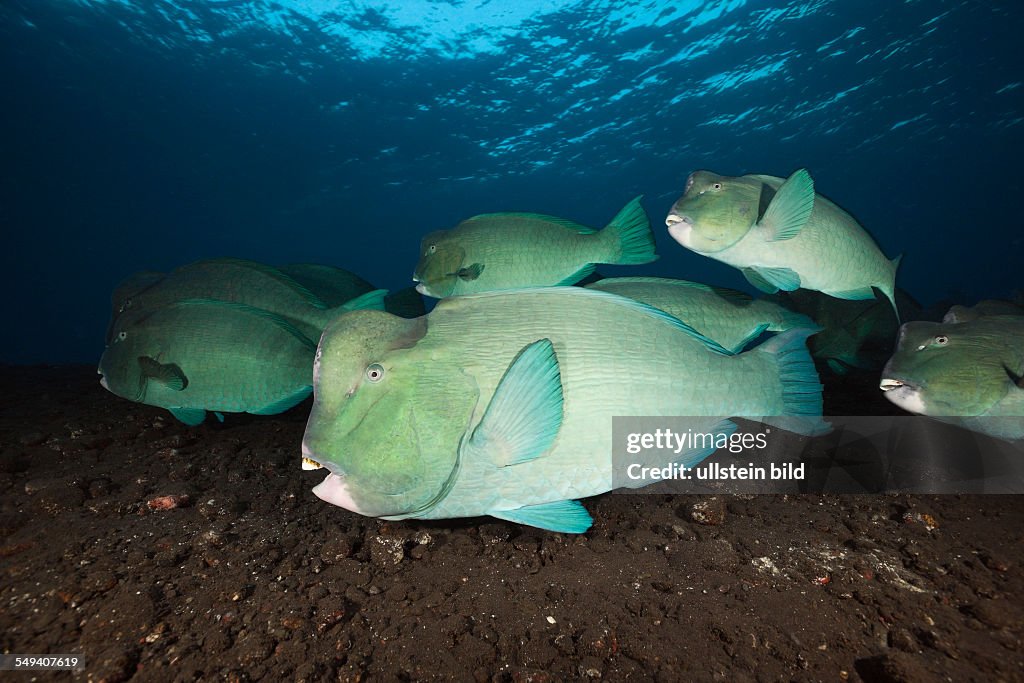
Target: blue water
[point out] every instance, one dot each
(145, 135)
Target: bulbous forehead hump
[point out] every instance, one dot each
(358, 333)
(913, 333)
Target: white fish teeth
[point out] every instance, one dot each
(889, 384)
(671, 219)
(310, 464)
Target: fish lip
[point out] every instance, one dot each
(333, 490)
(894, 383)
(311, 462)
(675, 219)
(888, 384)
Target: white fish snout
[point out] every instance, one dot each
(334, 490)
(680, 228)
(906, 396)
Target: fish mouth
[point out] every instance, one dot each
(904, 394)
(309, 462)
(889, 384)
(334, 490)
(681, 229)
(674, 219)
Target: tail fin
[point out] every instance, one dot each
(631, 233)
(801, 388)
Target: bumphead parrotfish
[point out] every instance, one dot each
(781, 235)
(498, 251)
(198, 355)
(245, 282)
(730, 317)
(501, 404)
(966, 373)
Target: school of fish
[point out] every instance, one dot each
(500, 400)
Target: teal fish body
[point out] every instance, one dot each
(781, 235)
(245, 282)
(502, 403)
(731, 318)
(198, 355)
(967, 373)
(501, 251)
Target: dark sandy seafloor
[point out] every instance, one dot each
(251, 577)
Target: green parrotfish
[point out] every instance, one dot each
(195, 356)
(501, 404)
(781, 235)
(498, 251)
(730, 317)
(966, 373)
(245, 282)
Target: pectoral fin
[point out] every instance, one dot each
(566, 516)
(470, 272)
(790, 208)
(165, 373)
(525, 413)
(754, 278)
(780, 278)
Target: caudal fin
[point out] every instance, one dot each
(801, 388)
(631, 241)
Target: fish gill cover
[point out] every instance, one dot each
(144, 135)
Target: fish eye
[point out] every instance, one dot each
(717, 186)
(942, 340)
(375, 372)
(122, 335)
(432, 248)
